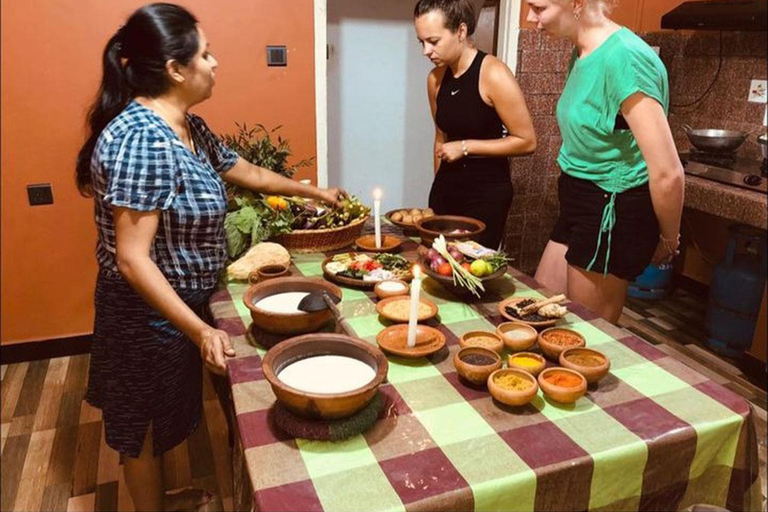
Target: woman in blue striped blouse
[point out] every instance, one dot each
(157, 174)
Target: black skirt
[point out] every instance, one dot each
(143, 369)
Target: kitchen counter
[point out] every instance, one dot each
(729, 202)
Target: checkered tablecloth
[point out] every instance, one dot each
(653, 435)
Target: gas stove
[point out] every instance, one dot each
(728, 169)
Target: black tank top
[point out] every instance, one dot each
(462, 114)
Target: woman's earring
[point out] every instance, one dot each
(576, 15)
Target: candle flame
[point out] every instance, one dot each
(377, 193)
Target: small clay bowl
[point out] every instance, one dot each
(516, 345)
(389, 243)
(533, 370)
(385, 294)
(381, 308)
(267, 272)
(562, 394)
(512, 396)
(476, 374)
(591, 373)
(553, 350)
(466, 340)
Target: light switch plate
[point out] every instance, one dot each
(758, 91)
(277, 56)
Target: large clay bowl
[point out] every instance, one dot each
(447, 281)
(288, 323)
(551, 349)
(512, 396)
(318, 405)
(562, 394)
(432, 227)
(524, 336)
(592, 372)
(476, 374)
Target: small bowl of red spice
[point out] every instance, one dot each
(593, 365)
(556, 339)
(512, 386)
(475, 364)
(562, 384)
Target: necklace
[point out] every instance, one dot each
(188, 132)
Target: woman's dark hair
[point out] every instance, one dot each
(134, 65)
(455, 12)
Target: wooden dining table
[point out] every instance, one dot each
(654, 434)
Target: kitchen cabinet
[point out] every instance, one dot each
(637, 15)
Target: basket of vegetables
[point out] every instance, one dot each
(462, 266)
(298, 224)
(318, 229)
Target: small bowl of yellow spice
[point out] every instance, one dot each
(528, 361)
(512, 386)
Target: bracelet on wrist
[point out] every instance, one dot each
(464, 148)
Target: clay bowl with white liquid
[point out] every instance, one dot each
(281, 316)
(310, 383)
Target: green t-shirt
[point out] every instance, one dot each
(586, 112)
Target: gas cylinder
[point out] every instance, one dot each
(736, 291)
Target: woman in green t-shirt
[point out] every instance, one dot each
(621, 187)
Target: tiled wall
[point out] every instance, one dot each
(691, 59)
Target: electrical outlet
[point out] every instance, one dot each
(758, 91)
(40, 194)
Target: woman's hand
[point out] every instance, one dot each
(214, 348)
(331, 196)
(450, 151)
(665, 251)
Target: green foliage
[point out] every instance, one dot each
(256, 146)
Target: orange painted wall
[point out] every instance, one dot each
(638, 15)
(51, 54)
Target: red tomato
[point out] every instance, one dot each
(445, 269)
(466, 266)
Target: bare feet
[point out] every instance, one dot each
(188, 499)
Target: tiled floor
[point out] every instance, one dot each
(676, 325)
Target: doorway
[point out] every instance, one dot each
(374, 128)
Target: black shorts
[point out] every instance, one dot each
(635, 234)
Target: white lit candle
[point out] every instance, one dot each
(413, 318)
(377, 216)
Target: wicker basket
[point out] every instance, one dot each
(321, 240)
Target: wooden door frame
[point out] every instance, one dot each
(507, 42)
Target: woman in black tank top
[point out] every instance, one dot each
(480, 118)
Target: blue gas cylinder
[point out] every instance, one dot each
(653, 283)
(736, 291)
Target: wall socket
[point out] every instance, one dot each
(758, 91)
(40, 194)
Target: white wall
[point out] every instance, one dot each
(380, 131)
